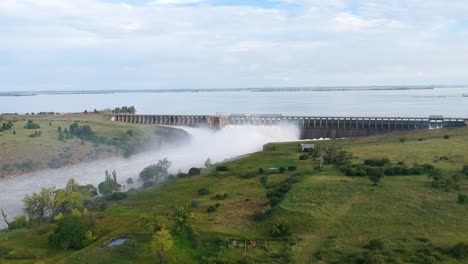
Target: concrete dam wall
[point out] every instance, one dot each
(310, 126)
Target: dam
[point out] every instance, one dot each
(310, 126)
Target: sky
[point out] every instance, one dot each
(169, 44)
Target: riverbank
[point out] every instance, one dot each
(49, 141)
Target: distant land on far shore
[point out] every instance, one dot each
(262, 89)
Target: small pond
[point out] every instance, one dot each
(116, 242)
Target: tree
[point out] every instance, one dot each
(70, 233)
(151, 220)
(110, 184)
(182, 219)
(194, 171)
(61, 137)
(375, 175)
(40, 206)
(156, 171)
(208, 163)
(5, 219)
(161, 244)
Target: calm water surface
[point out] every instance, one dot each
(416, 102)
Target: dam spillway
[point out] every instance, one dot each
(310, 126)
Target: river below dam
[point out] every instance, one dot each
(231, 142)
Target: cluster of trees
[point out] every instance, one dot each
(37, 133)
(329, 155)
(442, 181)
(124, 110)
(385, 167)
(50, 203)
(6, 126)
(82, 132)
(155, 172)
(25, 165)
(109, 185)
(162, 238)
(276, 195)
(31, 125)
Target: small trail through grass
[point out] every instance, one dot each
(311, 243)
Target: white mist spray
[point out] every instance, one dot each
(219, 145)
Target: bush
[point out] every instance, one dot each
(377, 162)
(222, 168)
(292, 168)
(203, 191)
(116, 196)
(195, 203)
(279, 230)
(462, 198)
(446, 136)
(194, 171)
(282, 169)
(459, 251)
(465, 169)
(402, 140)
(129, 181)
(19, 222)
(221, 196)
(211, 209)
(70, 233)
(261, 171)
(31, 125)
(303, 157)
(375, 244)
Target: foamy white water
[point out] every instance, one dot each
(219, 145)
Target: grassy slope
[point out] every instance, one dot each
(326, 212)
(20, 147)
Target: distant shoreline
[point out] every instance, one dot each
(272, 89)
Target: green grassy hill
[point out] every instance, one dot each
(331, 218)
(21, 151)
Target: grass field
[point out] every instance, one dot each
(331, 217)
(17, 147)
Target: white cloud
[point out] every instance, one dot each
(174, 2)
(315, 42)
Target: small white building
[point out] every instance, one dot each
(305, 147)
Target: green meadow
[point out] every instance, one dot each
(330, 217)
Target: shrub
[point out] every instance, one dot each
(303, 157)
(194, 171)
(211, 209)
(282, 169)
(446, 136)
(279, 230)
(292, 168)
(402, 140)
(31, 125)
(261, 171)
(377, 162)
(129, 181)
(375, 244)
(459, 251)
(19, 222)
(195, 203)
(182, 175)
(221, 196)
(222, 168)
(203, 191)
(465, 169)
(70, 233)
(116, 196)
(462, 198)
